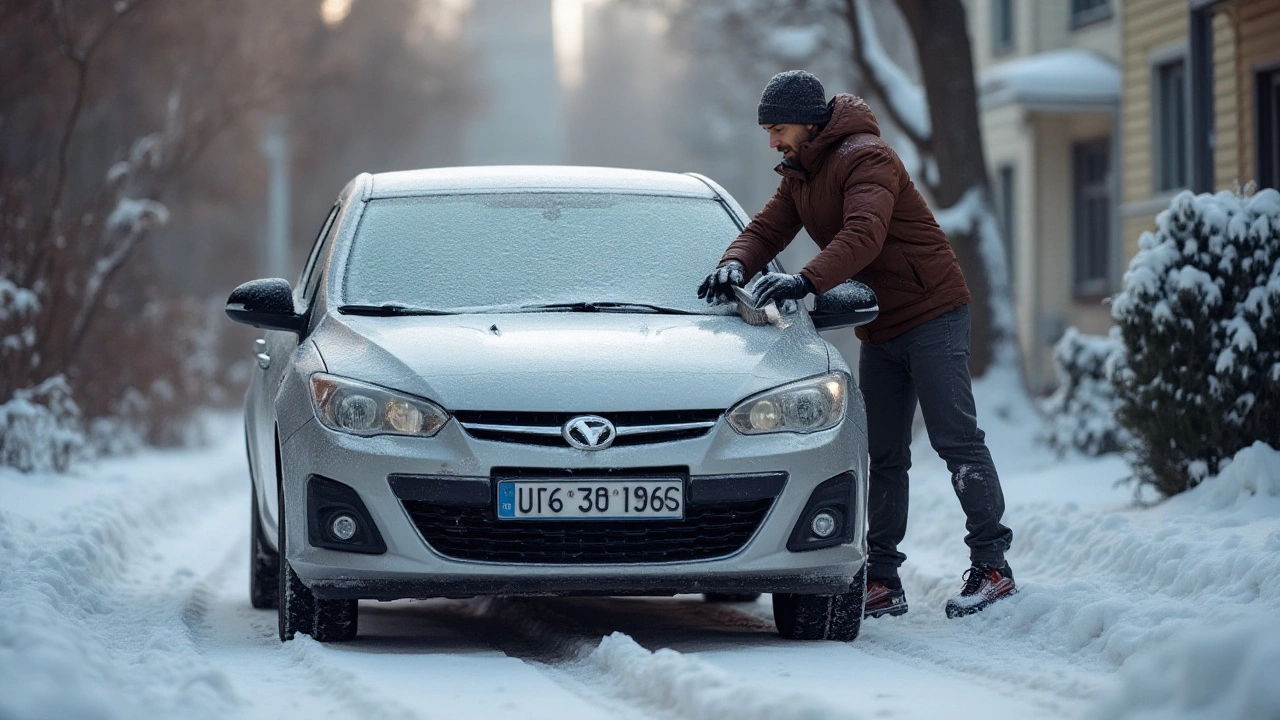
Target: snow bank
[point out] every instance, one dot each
(695, 689)
(1111, 584)
(80, 635)
(1252, 472)
(1218, 674)
(1102, 583)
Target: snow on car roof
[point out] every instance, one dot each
(536, 177)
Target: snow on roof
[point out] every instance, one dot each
(1058, 80)
(536, 177)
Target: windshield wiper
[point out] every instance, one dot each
(604, 307)
(388, 310)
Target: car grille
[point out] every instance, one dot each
(707, 531)
(543, 428)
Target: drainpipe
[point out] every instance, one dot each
(1200, 22)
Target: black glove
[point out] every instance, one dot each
(780, 286)
(717, 286)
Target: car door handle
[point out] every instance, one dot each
(260, 352)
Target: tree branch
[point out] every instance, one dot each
(80, 58)
(904, 100)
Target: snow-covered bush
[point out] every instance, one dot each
(1199, 313)
(1082, 412)
(40, 428)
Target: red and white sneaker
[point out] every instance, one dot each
(884, 600)
(982, 586)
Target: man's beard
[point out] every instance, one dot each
(792, 152)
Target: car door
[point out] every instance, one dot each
(273, 354)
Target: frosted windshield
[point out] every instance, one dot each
(500, 251)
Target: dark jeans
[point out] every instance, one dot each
(929, 362)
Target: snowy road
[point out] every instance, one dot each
(125, 596)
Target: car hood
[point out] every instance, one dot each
(571, 362)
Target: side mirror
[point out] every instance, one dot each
(848, 304)
(266, 304)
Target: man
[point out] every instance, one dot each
(850, 191)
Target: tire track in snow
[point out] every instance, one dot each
(82, 585)
(616, 670)
(219, 617)
(740, 639)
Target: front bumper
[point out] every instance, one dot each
(411, 568)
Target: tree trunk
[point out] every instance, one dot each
(941, 38)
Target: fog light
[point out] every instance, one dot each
(824, 524)
(343, 527)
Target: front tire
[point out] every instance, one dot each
(300, 611)
(264, 563)
(821, 617)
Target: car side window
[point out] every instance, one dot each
(310, 274)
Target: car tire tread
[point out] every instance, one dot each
(264, 563)
(821, 617)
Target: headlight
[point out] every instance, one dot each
(362, 409)
(805, 406)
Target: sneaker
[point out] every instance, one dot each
(885, 598)
(983, 585)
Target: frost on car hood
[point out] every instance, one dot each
(571, 362)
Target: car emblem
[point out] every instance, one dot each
(589, 432)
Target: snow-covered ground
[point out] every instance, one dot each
(123, 594)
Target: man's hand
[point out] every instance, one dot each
(718, 285)
(780, 286)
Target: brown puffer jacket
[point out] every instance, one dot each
(858, 203)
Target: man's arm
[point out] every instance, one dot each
(870, 192)
(768, 233)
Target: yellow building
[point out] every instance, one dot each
(1201, 102)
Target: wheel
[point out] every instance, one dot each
(300, 611)
(336, 620)
(821, 617)
(718, 597)
(264, 563)
(297, 606)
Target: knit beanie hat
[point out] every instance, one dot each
(794, 96)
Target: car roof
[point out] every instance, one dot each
(535, 178)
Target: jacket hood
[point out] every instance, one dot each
(850, 115)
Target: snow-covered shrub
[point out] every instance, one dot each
(40, 428)
(122, 432)
(1082, 411)
(1199, 313)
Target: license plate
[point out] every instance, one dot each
(594, 499)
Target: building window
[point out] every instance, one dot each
(1087, 12)
(1172, 151)
(1004, 208)
(1001, 26)
(1091, 164)
(1268, 129)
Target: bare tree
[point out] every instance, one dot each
(83, 224)
(121, 115)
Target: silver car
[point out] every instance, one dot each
(500, 381)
